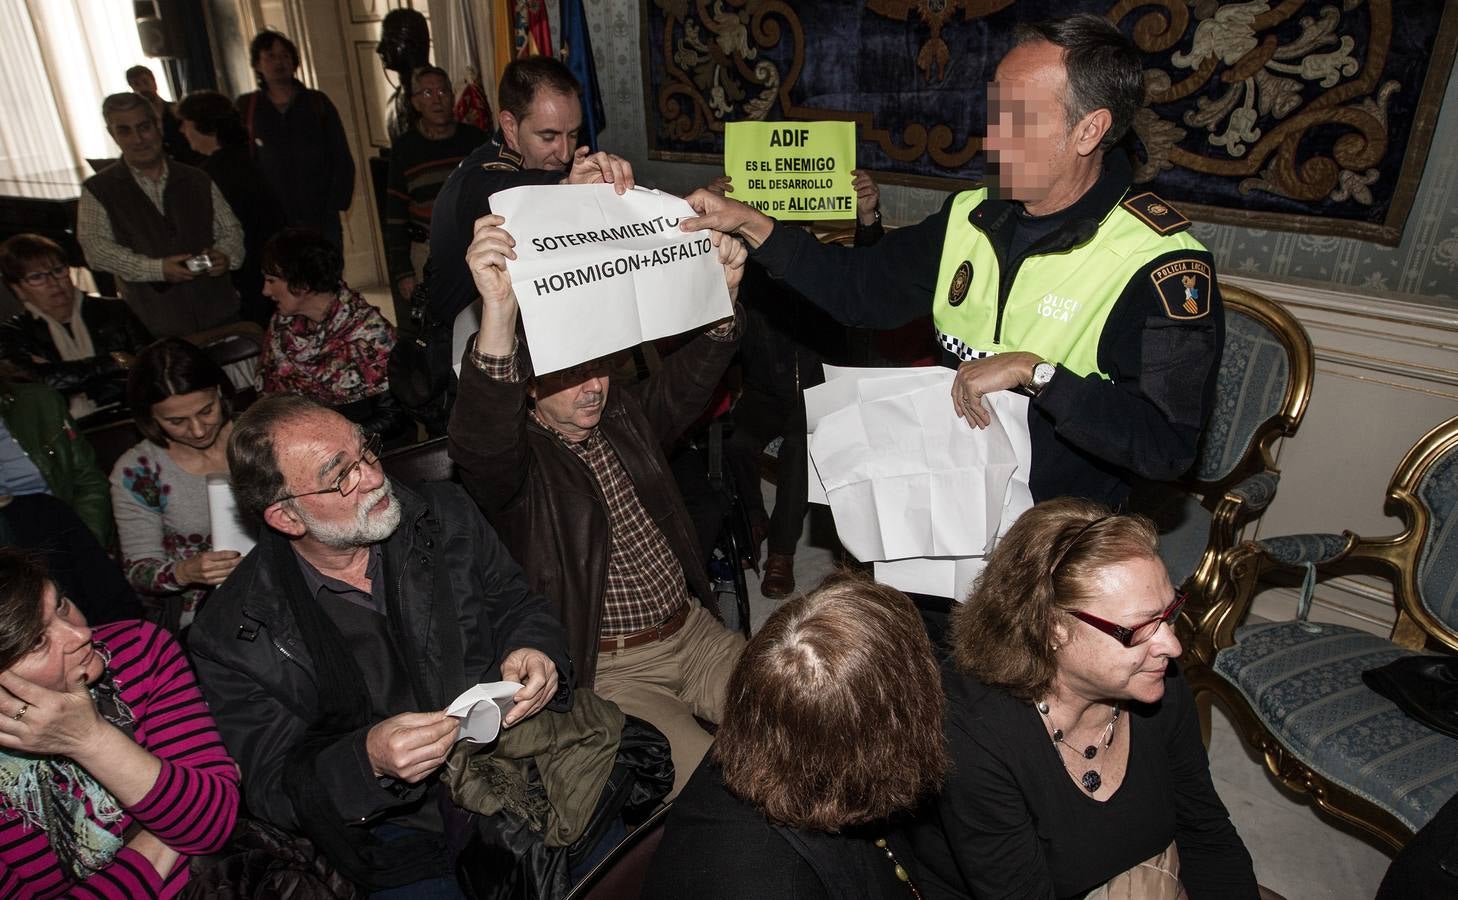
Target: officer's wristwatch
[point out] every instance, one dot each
(1043, 373)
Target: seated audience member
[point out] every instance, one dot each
(41, 452)
(570, 469)
(325, 341)
(211, 125)
(420, 161)
(832, 725)
(298, 139)
(163, 228)
(331, 652)
(181, 402)
(79, 345)
(143, 83)
(1076, 759)
(111, 771)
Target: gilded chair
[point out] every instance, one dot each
(1261, 392)
(1295, 689)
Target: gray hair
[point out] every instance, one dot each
(126, 101)
(252, 463)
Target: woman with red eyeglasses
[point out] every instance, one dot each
(1077, 765)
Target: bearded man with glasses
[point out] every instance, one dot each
(329, 655)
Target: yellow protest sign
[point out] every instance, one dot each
(793, 170)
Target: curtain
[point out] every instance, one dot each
(58, 60)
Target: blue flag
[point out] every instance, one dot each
(576, 54)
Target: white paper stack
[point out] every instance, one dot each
(912, 487)
(481, 708)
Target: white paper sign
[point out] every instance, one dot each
(597, 272)
(913, 487)
(481, 708)
(229, 530)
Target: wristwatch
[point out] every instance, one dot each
(1043, 373)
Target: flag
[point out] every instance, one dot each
(576, 54)
(532, 33)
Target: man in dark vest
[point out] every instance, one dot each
(161, 227)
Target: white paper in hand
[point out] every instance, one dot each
(229, 530)
(481, 708)
(596, 272)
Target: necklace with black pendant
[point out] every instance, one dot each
(1091, 779)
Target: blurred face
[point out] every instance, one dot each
(137, 134)
(434, 100)
(314, 453)
(193, 420)
(1028, 138)
(144, 83)
(47, 286)
(1094, 665)
(65, 656)
(571, 401)
(546, 136)
(275, 63)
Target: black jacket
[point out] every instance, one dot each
(303, 152)
(114, 328)
(1090, 436)
(261, 214)
(463, 199)
(545, 501)
(462, 602)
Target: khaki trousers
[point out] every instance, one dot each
(669, 682)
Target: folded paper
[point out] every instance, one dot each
(481, 708)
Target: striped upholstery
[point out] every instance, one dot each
(1304, 681)
(1437, 569)
(1249, 388)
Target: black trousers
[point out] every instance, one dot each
(759, 418)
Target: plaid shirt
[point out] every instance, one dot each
(645, 582)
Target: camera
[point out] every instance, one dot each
(199, 263)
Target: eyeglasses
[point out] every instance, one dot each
(349, 479)
(435, 92)
(1139, 634)
(36, 279)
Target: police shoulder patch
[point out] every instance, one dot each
(1184, 287)
(1156, 213)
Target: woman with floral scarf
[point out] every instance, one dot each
(325, 342)
(111, 771)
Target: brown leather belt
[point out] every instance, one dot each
(665, 629)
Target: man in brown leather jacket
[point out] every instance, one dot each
(570, 470)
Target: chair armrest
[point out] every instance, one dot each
(1256, 492)
(1307, 549)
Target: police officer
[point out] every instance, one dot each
(540, 105)
(1058, 277)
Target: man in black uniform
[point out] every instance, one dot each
(540, 105)
(1058, 278)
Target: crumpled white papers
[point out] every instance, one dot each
(481, 708)
(911, 486)
(597, 272)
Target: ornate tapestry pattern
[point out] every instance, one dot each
(1304, 116)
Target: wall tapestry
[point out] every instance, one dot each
(1302, 116)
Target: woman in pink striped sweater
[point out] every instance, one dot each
(111, 771)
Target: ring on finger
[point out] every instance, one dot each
(24, 708)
